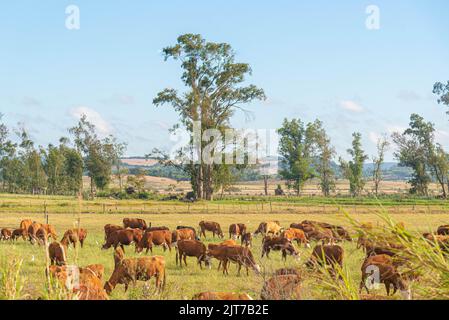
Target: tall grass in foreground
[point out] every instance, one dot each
(12, 281)
(426, 263)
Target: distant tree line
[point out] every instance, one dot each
(58, 169)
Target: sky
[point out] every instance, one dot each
(314, 59)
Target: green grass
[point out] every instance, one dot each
(184, 283)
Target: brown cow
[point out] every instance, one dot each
(75, 235)
(242, 256)
(183, 234)
(110, 228)
(297, 235)
(57, 252)
(187, 227)
(247, 239)
(279, 244)
(18, 233)
(236, 230)
(25, 224)
(192, 248)
(134, 223)
(5, 234)
(51, 231)
(32, 229)
(137, 269)
(338, 232)
(123, 238)
(158, 238)
(79, 281)
(384, 272)
(42, 236)
(271, 227)
(327, 256)
(211, 226)
(226, 296)
(282, 287)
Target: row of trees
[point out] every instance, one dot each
(58, 169)
(307, 153)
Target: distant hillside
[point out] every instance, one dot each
(391, 170)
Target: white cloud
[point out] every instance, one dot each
(351, 106)
(374, 137)
(103, 127)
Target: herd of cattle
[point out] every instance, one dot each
(383, 254)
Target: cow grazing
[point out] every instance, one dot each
(266, 228)
(32, 230)
(226, 296)
(123, 238)
(137, 269)
(5, 234)
(75, 235)
(282, 287)
(279, 244)
(51, 231)
(88, 285)
(25, 224)
(297, 235)
(192, 248)
(239, 255)
(379, 268)
(247, 239)
(183, 234)
(155, 238)
(17, 233)
(191, 228)
(327, 256)
(135, 223)
(110, 228)
(210, 226)
(42, 236)
(57, 252)
(236, 230)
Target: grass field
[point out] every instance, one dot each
(181, 283)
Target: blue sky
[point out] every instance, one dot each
(315, 59)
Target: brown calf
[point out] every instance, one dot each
(123, 238)
(192, 248)
(210, 226)
(75, 235)
(158, 238)
(5, 234)
(137, 269)
(135, 223)
(279, 244)
(297, 235)
(383, 272)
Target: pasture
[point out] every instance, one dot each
(183, 283)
